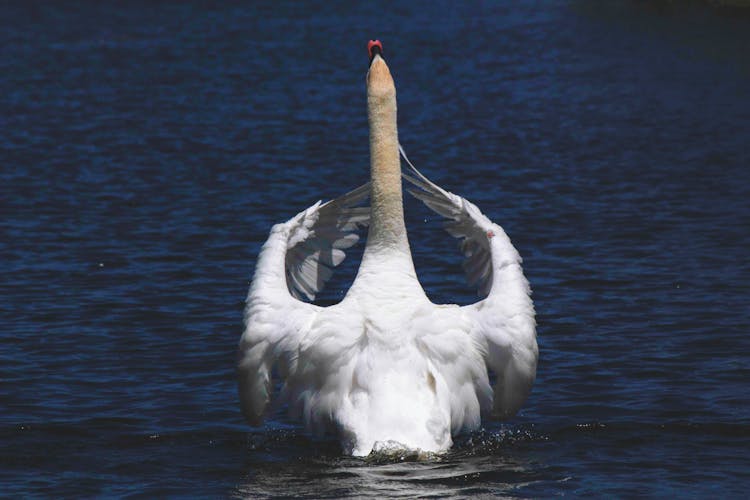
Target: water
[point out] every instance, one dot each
(147, 149)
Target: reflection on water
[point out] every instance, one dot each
(482, 463)
(502, 461)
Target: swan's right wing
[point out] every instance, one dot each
(318, 237)
(297, 260)
(503, 322)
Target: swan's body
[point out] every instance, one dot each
(386, 364)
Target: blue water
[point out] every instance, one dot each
(147, 148)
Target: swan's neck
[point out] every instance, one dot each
(387, 271)
(387, 229)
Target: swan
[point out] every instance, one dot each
(385, 365)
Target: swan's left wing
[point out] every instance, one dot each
(503, 321)
(297, 260)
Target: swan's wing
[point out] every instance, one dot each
(317, 240)
(465, 221)
(297, 260)
(503, 322)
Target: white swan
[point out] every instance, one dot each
(385, 364)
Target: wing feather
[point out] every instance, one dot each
(317, 240)
(296, 261)
(464, 221)
(504, 323)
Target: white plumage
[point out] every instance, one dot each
(385, 364)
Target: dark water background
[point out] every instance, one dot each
(146, 149)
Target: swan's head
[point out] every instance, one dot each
(379, 80)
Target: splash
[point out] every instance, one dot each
(393, 451)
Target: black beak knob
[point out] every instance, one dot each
(374, 47)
